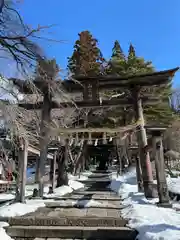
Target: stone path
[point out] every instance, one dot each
(67, 218)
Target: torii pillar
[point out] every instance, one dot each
(160, 167)
(44, 138)
(144, 156)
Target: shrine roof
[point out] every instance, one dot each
(112, 82)
(164, 73)
(104, 82)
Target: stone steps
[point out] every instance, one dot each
(99, 175)
(80, 204)
(77, 197)
(89, 221)
(101, 171)
(67, 218)
(45, 232)
(95, 180)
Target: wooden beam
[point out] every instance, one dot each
(89, 104)
(71, 87)
(95, 130)
(36, 151)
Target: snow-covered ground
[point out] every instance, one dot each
(174, 184)
(30, 187)
(19, 209)
(152, 222)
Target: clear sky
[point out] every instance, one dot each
(152, 26)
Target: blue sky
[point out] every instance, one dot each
(152, 26)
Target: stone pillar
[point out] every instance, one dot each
(160, 170)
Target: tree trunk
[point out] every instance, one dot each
(84, 156)
(62, 178)
(78, 160)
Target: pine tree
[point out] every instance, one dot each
(131, 52)
(130, 65)
(135, 65)
(87, 58)
(162, 112)
(117, 51)
(116, 65)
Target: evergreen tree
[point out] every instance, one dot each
(162, 112)
(132, 64)
(135, 65)
(116, 65)
(117, 51)
(87, 58)
(131, 52)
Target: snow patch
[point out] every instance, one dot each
(88, 203)
(3, 234)
(174, 184)
(19, 209)
(152, 222)
(75, 184)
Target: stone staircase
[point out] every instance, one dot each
(68, 218)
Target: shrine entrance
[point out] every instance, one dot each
(101, 155)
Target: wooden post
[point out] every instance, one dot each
(37, 169)
(54, 171)
(95, 90)
(160, 170)
(118, 144)
(85, 91)
(19, 176)
(51, 170)
(23, 155)
(66, 153)
(143, 153)
(45, 120)
(139, 174)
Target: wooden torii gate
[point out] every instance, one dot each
(90, 87)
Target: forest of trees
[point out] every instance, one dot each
(87, 59)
